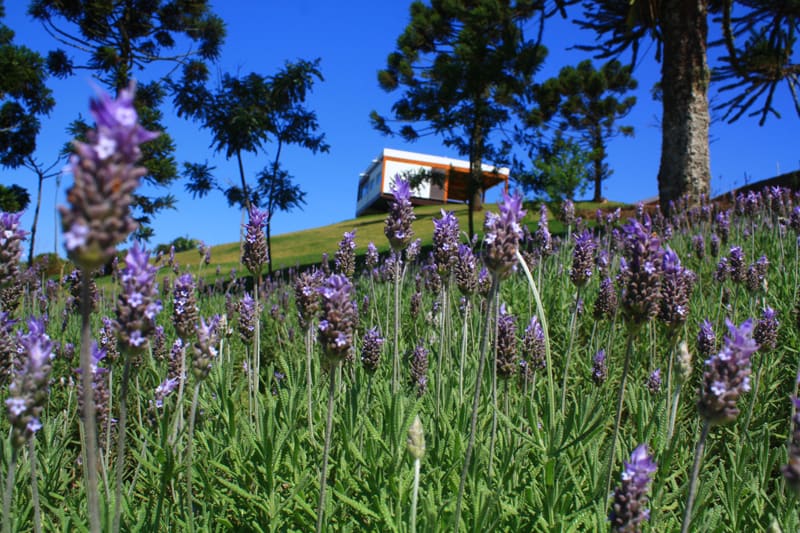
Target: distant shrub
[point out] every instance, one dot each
(181, 244)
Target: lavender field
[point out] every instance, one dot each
(632, 373)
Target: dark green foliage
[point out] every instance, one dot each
(461, 65)
(120, 40)
(23, 97)
(14, 198)
(560, 168)
(587, 102)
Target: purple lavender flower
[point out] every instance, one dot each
(723, 226)
(246, 308)
(306, 296)
(582, 258)
(159, 344)
(706, 339)
(484, 282)
(413, 250)
(8, 346)
(713, 246)
(445, 241)
(533, 347)
(466, 270)
(339, 317)
(433, 281)
(640, 274)
(756, 276)
(401, 214)
(11, 237)
(628, 509)
(699, 246)
(371, 348)
(164, 389)
(105, 175)
(676, 287)
(506, 358)
(418, 369)
(184, 306)
(28, 390)
(736, 268)
(542, 237)
(137, 305)
(502, 234)
(654, 381)
(606, 303)
(254, 255)
(205, 348)
(599, 367)
(568, 212)
(727, 375)
(766, 331)
(345, 257)
(371, 259)
(794, 219)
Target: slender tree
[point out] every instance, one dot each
(586, 101)
(118, 40)
(759, 43)
(243, 116)
(460, 65)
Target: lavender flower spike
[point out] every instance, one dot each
(105, 175)
(205, 348)
(11, 236)
(254, 255)
(345, 257)
(29, 388)
(137, 305)
(502, 235)
(582, 258)
(628, 510)
(339, 317)
(640, 274)
(401, 214)
(727, 375)
(445, 241)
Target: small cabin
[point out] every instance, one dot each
(375, 183)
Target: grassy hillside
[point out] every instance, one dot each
(306, 247)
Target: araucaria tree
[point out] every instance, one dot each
(759, 42)
(461, 64)
(586, 101)
(117, 40)
(244, 115)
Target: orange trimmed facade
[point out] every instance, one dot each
(375, 184)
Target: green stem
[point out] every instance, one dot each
(698, 456)
(309, 341)
(412, 526)
(189, 495)
(323, 480)
(89, 416)
(123, 416)
(37, 508)
(475, 402)
(12, 467)
(463, 353)
(675, 400)
(618, 417)
(551, 395)
(493, 437)
(396, 357)
(569, 350)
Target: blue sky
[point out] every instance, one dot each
(353, 39)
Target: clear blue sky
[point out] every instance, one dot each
(353, 39)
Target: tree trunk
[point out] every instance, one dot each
(685, 164)
(40, 176)
(599, 153)
(245, 190)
